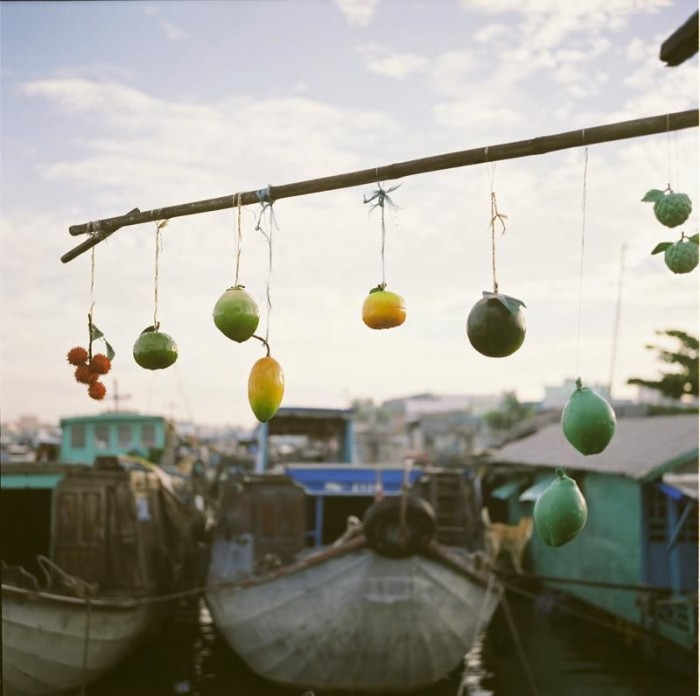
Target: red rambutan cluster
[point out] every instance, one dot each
(88, 370)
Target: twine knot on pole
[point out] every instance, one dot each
(380, 196)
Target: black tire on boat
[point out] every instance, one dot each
(382, 526)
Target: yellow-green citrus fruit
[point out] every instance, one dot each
(155, 350)
(560, 512)
(236, 314)
(496, 325)
(588, 421)
(383, 309)
(265, 388)
(671, 209)
(682, 257)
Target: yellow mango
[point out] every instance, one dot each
(265, 388)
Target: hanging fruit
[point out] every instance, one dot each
(671, 209)
(383, 309)
(236, 314)
(90, 367)
(265, 388)
(154, 350)
(588, 421)
(560, 512)
(681, 256)
(496, 325)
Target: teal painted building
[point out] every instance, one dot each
(84, 438)
(642, 527)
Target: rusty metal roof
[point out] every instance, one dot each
(641, 448)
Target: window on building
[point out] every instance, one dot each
(124, 435)
(77, 436)
(101, 437)
(148, 435)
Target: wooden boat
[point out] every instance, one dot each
(95, 550)
(385, 608)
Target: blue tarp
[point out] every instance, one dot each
(350, 480)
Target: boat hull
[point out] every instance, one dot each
(44, 639)
(356, 622)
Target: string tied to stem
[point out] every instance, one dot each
(379, 198)
(239, 233)
(496, 216)
(160, 224)
(266, 206)
(583, 246)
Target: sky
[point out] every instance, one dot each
(107, 106)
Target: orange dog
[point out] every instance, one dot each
(511, 538)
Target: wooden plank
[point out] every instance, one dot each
(100, 229)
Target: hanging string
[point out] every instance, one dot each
(495, 216)
(239, 234)
(381, 196)
(94, 231)
(266, 206)
(159, 247)
(583, 243)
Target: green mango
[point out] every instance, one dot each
(560, 512)
(236, 314)
(588, 421)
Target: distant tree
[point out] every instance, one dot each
(683, 378)
(510, 412)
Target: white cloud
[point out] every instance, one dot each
(172, 31)
(453, 72)
(549, 23)
(396, 65)
(357, 12)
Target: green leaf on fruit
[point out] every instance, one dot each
(695, 238)
(652, 196)
(512, 304)
(95, 333)
(110, 351)
(661, 246)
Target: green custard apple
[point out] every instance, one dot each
(671, 209)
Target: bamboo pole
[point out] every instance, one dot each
(101, 229)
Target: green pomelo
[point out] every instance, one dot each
(154, 350)
(560, 512)
(236, 314)
(588, 421)
(496, 325)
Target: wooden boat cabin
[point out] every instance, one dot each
(118, 525)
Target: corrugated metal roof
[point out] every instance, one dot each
(640, 446)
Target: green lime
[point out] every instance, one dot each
(496, 325)
(682, 257)
(588, 421)
(236, 314)
(560, 512)
(154, 350)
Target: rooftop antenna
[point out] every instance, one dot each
(616, 323)
(116, 397)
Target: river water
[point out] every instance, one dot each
(552, 655)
